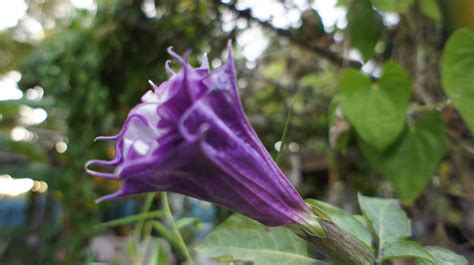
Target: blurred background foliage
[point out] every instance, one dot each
(360, 82)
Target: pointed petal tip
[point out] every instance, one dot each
(229, 48)
(205, 61)
(182, 60)
(168, 68)
(153, 85)
(230, 55)
(106, 197)
(104, 163)
(112, 196)
(106, 138)
(97, 173)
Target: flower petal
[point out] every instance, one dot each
(231, 149)
(191, 170)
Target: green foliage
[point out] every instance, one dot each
(376, 110)
(403, 249)
(364, 27)
(431, 9)
(242, 239)
(387, 219)
(11, 51)
(443, 257)
(158, 255)
(392, 228)
(94, 67)
(457, 73)
(344, 220)
(401, 6)
(410, 163)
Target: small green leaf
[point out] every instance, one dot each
(344, 220)
(430, 8)
(158, 255)
(401, 6)
(242, 239)
(32, 151)
(406, 249)
(410, 164)
(377, 111)
(130, 219)
(387, 219)
(457, 73)
(364, 27)
(187, 221)
(443, 257)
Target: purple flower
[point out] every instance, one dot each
(190, 136)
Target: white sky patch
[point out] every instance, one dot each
(32, 116)
(10, 12)
(14, 187)
(35, 94)
(372, 68)
(354, 54)
(274, 12)
(277, 146)
(331, 14)
(32, 29)
(262, 9)
(85, 4)
(391, 19)
(8, 86)
(253, 43)
(228, 21)
(20, 133)
(60, 147)
(149, 8)
(287, 19)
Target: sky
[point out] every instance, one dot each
(11, 11)
(252, 41)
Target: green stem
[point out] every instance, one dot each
(166, 234)
(146, 207)
(129, 219)
(169, 216)
(338, 246)
(430, 107)
(283, 136)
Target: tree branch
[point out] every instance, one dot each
(321, 51)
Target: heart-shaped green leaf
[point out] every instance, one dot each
(393, 5)
(364, 27)
(406, 249)
(388, 220)
(431, 9)
(443, 257)
(412, 161)
(376, 110)
(457, 73)
(242, 239)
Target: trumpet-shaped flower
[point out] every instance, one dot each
(190, 135)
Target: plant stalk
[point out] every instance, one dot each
(169, 217)
(338, 246)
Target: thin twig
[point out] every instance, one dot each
(326, 53)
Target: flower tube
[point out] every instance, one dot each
(190, 136)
